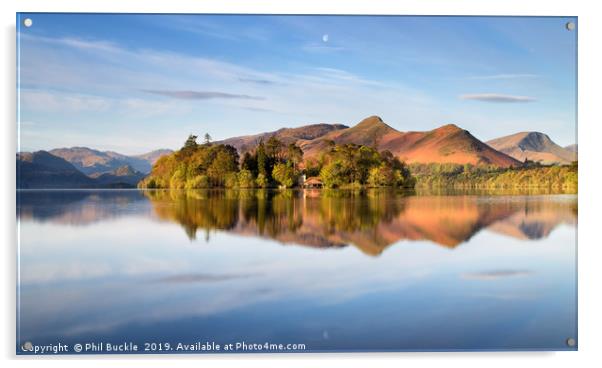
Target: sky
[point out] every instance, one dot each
(133, 83)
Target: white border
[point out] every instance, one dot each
(590, 99)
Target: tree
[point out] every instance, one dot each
(345, 155)
(245, 179)
(356, 165)
(381, 176)
(178, 179)
(249, 162)
(312, 167)
(368, 157)
(207, 138)
(194, 166)
(262, 164)
(273, 148)
(231, 180)
(294, 155)
(226, 161)
(190, 142)
(261, 181)
(333, 175)
(198, 182)
(285, 175)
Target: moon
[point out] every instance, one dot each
(325, 38)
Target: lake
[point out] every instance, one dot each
(333, 270)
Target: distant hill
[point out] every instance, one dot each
(153, 156)
(286, 135)
(43, 170)
(122, 177)
(446, 144)
(571, 148)
(534, 146)
(90, 161)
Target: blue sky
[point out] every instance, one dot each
(134, 83)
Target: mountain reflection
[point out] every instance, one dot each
(79, 207)
(370, 221)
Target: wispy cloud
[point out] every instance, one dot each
(194, 277)
(77, 43)
(504, 296)
(210, 26)
(264, 82)
(494, 275)
(333, 75)
(257, 109)
(497, 98)
(54, 101)
(201, 95)
(504, 76)
(321, 47)
(50, 101)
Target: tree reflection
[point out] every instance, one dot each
(369, 220)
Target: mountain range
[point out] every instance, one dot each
(286, 135)
(82, 167)
(534, 146)
(42, 169)
(446, 144)
(90, 161)
(571, 148)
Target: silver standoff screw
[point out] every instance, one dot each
(570, 26)
(27, 346)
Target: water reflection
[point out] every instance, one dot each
(79, 207)
(370, 221)
(130, 265)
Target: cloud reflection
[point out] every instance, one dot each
(495, 275)
(199, 277)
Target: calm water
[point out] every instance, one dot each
(333, 271)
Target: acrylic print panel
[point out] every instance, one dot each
(279, 183)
